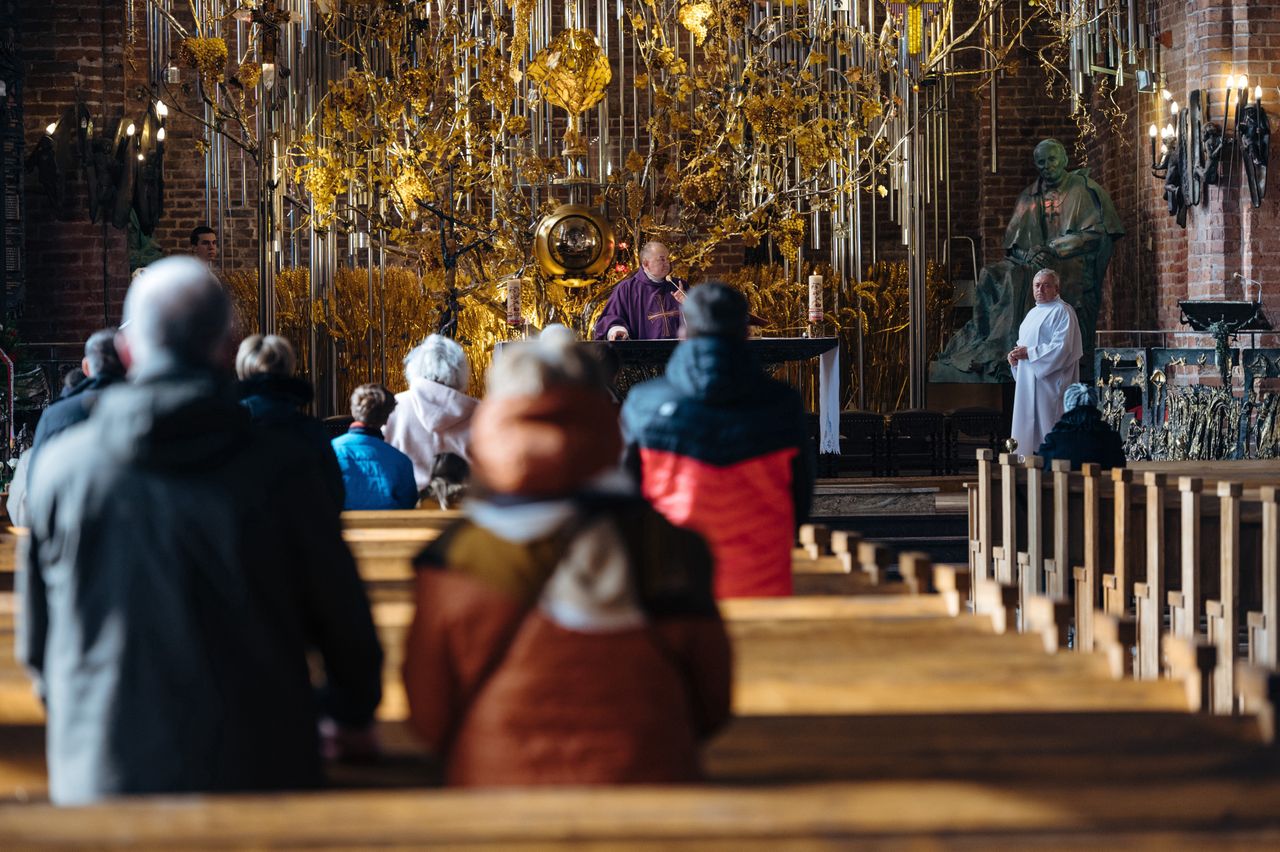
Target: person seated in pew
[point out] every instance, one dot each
(375, 474)
(99, 369)
(722, 448)
(275, 398)
(180, 566)
(565, 632)
(450, 474)
(1081, 435)
(434, 415)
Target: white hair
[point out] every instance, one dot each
(438, 359)
(177, 312)
(1047, 274)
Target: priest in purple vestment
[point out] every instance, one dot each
(645, 306)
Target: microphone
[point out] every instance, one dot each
(680, 293)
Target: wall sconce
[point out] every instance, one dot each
(1192, 145)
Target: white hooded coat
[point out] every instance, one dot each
(430, 419)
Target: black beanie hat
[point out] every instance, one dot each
(714, 309)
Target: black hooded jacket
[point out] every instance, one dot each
(1081, 436)
(75, 406)
(276, 403)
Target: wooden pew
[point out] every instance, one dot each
(1264, 622)
(1162, 546)
(1165, 813)
(1221, 613)
(1185, 603)
(399, 519)
(1152, 592)
(819, 679)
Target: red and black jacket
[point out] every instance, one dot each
(721, 448)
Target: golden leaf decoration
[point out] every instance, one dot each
(696, 17)
(572, 71)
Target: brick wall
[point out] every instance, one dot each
(76, 271)
(1206, 41)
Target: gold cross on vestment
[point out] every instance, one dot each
(665, 316)
(660, 299)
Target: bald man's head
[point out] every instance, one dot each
(177, 313)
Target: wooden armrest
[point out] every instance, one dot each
(1192, 661)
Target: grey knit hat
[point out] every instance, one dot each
(1077, 395)
(715, 310)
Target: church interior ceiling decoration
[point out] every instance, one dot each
(437, 135)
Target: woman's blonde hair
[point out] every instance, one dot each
(268, 354)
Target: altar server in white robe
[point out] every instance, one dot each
(1045, 361)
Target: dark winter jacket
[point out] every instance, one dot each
(180, 565)
(722, 449)
(73, 407)
(1081, 436)
(276, 402)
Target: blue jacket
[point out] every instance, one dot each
(376, 474)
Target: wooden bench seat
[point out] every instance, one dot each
(399, 519)
(1008, 815)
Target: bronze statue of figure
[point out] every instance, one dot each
(1211, 147)
(1175, 183)
(1063, 221)
(1254, 132)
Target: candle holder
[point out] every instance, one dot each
(1191, 147)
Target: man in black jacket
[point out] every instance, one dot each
(181, 563)
(102, 368)
(99, 369)
(721, 448)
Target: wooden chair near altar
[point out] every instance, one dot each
(337, 425)
(916, 441)
(862, 442)
(970, 429)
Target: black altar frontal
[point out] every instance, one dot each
(646, 359)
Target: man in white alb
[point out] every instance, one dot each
(1045, 361)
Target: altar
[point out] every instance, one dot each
(646, 359)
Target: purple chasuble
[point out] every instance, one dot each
(647, 310)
